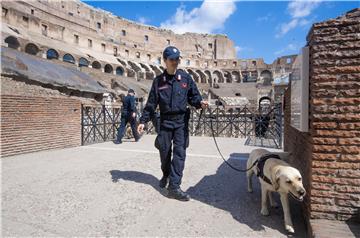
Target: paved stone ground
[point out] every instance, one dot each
(111, 190)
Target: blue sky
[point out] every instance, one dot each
(259, 29)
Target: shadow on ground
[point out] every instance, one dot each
(227, 190)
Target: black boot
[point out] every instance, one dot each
(178, 194)
(117, 142)
(163, 182)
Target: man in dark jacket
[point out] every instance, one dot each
(128, 115)
(172, 90)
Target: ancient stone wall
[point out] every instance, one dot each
(30, 123)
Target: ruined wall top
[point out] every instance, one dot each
(136, 35)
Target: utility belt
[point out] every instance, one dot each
(176, 116)
(172, 117)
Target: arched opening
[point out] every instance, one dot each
(228, 77)
(236, 76)
(202, 76)
(218, 77)
(194, 75)
(156, 69)
(12, 42)
(31, 49)
(264, 104)
(130, 72)
(96, 65)
(108, 69)
(52, 54)
(266, 77)
(83, 62)
(119, 71)
(69, 58)
(208, 74)
(253, 76)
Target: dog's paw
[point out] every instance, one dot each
(289, 229)
(265, 212)
(250, 190)
(275, 205)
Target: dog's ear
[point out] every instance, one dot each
(275, 177)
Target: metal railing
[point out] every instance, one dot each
(261, 128)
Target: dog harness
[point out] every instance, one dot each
(260, 166)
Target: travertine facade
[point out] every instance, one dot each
(90, 38)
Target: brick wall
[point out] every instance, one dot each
(335, 117)
(31, 124)
(332, 146)
(300, 146)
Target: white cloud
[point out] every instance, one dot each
(207, 18)
(239, 49)
(302, 8)
(143, 20)
(265, 18)
(298, 10)
(289, 47)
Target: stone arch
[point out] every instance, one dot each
(130, 72)
(202, 76)
(83, 62)
(69, 58)
(108, 68)
(96, 65)
(123, 62)
(32, 49)
(149, 73)
(195, 76)
(12, 42)
(52, 54)
(228, 77)
(138, 70)
(119, 71)
(236, 76)
(218, 77)
(156, 69)
(208, 75)
(266, 77)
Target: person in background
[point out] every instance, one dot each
(128, 115)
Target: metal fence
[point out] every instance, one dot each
(261, 128)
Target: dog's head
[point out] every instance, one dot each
(289, 180)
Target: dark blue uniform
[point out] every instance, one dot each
(128, 109)
(172, 93)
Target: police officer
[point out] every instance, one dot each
(172, 91)
(128, 115)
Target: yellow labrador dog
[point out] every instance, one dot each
(275, 175)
